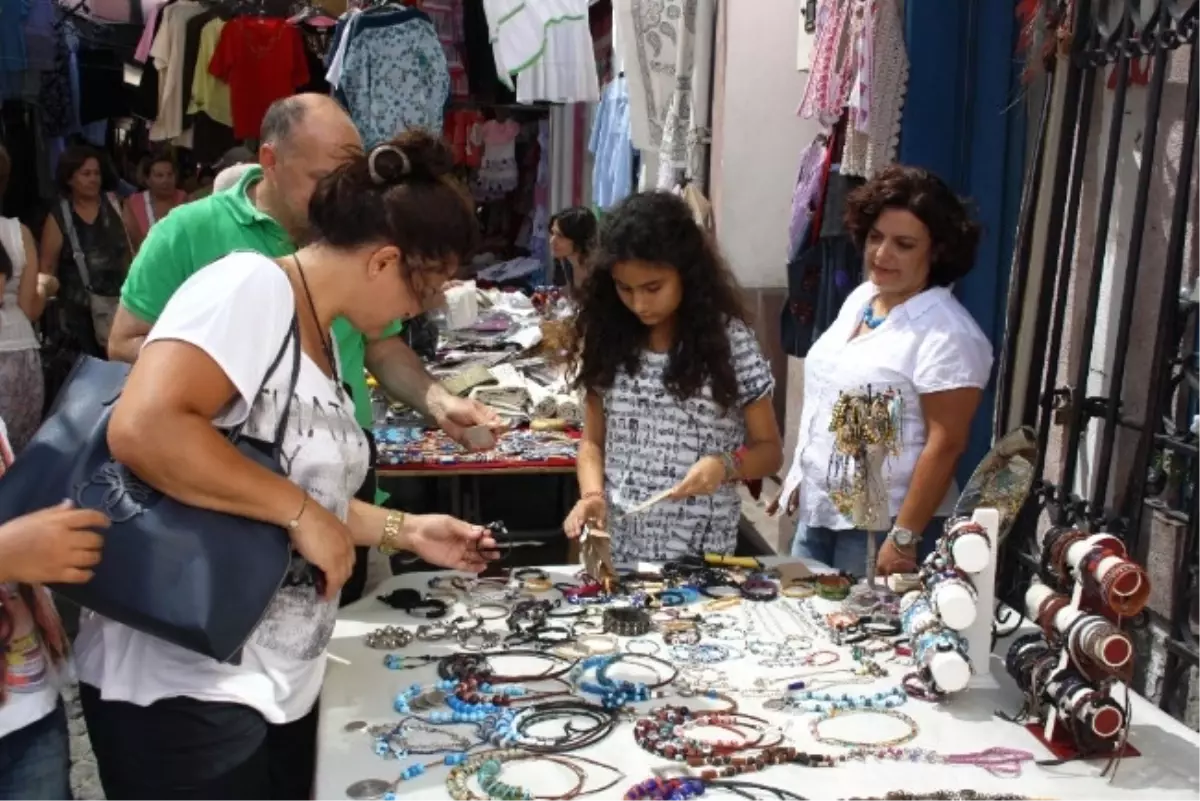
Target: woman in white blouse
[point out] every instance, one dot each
(905, 332)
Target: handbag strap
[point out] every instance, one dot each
(73, 238)
(292, 338)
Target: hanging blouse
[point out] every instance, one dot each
(685, 119)
(262, 59)
(394, 77)
(876, 102)
(547, 45)
(648, 35)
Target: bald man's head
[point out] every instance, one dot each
(304, 138)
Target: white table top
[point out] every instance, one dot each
(359, 688)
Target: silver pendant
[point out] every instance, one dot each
(368, 789)
(774, 705)
(355, 725)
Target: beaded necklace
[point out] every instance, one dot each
(1002, 762)
(487, 767)
(826, 716)
(816, 701)
(663, 732)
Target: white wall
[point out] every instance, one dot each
(759, 138)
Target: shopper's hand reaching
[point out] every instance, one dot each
(705, 478)
(327, 544)
(894, 559)
(789, 509)
(449, 542)
(59, 545)
(455, 415)
(591, 511)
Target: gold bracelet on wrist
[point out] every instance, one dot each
(294, 523)
(389, 543)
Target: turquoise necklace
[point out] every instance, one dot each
(870, 320)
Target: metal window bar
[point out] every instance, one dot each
(1114, 34)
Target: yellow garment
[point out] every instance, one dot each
(210, 95)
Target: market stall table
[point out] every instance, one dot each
(360, 691)
(435, 457)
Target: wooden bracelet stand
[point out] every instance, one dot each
(1109, 725)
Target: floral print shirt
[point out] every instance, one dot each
(394, 78)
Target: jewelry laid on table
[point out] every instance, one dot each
(814, 728)
(388, 638)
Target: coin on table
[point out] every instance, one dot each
(355, 725)
(368, 789)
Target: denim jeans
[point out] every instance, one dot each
(35, 761)
(846, 549)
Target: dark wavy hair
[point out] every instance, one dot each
(658, 227)
(953, 233)
(578, 224)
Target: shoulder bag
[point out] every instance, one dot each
(194, 577)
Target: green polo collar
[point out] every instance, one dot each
(240, 205)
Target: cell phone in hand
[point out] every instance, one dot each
(480, 438)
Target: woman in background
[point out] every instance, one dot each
(85, 246)
(162, 194)
(572, 237)
(24, 298)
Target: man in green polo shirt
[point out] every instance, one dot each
(304, 138)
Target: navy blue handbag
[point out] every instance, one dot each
(194, 577)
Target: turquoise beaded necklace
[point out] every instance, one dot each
(869, 318)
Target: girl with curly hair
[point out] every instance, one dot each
(678, 394)
(901, 331)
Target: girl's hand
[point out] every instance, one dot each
(590, 510)
(705, 478)
(793, 501)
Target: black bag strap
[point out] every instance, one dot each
(291, 338)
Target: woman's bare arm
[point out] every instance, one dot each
(51, 249)
(162, 430)
(948, 418)
(28, 298)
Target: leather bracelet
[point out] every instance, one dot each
(626, 621)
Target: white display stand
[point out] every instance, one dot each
(979, 634)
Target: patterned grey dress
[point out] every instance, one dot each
(651, 441)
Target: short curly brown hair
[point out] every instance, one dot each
(952, 231)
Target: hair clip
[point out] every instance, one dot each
(376, 177)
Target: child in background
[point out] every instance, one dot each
(678, 394)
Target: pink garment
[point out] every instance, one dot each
(139, 206)
(447, 18)
(147, 40)
(499, 133)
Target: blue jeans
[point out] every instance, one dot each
(35, 761)
(846, 549)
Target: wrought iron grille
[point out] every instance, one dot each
(1127, 453)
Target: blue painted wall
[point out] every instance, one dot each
(964, 119)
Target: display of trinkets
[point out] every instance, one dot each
(535, 666)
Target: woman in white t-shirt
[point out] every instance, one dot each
(902, 335)
(389, 229)
(59, 545)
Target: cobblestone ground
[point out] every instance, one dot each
(85, 782)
